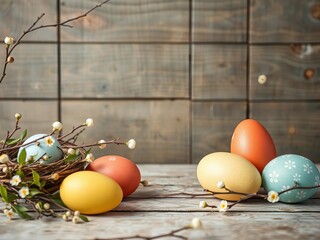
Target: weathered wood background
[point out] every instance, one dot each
(177, 76)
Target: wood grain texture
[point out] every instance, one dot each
(212, 126)
(219, 71)
(294, 126)
(140, 214)
(37, 116)
(125, 71)
(133, 21)
(18, 15)
(33, 74)
(161, 128)
(284, 21)
(219, 21)
(285, 68)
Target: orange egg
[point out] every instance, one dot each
(120, 169)
(252, 141)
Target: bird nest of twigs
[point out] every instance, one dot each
(35, 180)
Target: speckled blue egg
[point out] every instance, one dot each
(281, 173)
(53, 151)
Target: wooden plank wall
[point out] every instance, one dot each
(177, 76)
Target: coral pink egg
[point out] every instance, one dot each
(252, 141)
(122, 170)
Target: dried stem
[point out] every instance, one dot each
(169, 234)
(34, 28)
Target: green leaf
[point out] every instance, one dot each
(21, 211)
(4, 193)
(12, 141)
(56, 198)
(22, 157)
(71, 158)
(12, 197)
(33, 192)
(36, 178)
(42, 184)
(20, 173)
(23, 134)
(84, 218)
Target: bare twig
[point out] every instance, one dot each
(33, 28)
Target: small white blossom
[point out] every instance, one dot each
(196, 223)
(68, 214)
(71, 151)
(223, 206)
(46, 206)
(18, 116)
(102, 144)
(75, 219)
(57, 126)
(15, 180)
(8, 40)
(49, 141)
(55, 176)
(65, 217)
(203, 204)
(23, 192)
(273, 197)
(89, 122)
(89, 158)
(131, 143)
(8, 213)
(4, 158)
(220, 184)
(5, 169)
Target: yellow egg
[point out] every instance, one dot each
(90, 192)
(237, 173)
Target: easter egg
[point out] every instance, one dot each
(46, 145)
(122, 170)
(237, 173)
(282, 172)
(252, 141)
(90, 192)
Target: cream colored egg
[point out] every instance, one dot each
(237, 173)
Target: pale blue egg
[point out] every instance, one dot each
(50, 147)
(281, 173)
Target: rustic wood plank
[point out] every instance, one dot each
(37, 116)
(219, 72)
(33, 74)
(18, 15)
(212, 126)
(125, 71)
(286, 68)
(284, 21)
(123, 21)
(219, 21)
(240, 225)
(161, 128)
(294, 126)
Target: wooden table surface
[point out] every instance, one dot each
(150, 211)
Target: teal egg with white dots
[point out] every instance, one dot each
(41, 145)
(284, 171)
